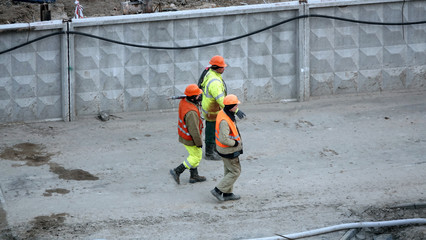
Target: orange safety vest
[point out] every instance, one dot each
(184, 108)
(233, 133)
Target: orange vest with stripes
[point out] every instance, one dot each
(233, 133)
(184, 108)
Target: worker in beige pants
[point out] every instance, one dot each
(229, 146)
(232, 172)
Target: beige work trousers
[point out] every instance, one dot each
(232, 171)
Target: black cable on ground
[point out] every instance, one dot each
(218, 42)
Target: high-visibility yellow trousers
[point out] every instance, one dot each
(194, 158)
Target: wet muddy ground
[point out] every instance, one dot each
(36, 155)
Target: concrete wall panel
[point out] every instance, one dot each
(350, 56)
(309, 57)
(30, 79)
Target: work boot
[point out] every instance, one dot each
(230, 196)
(177, 171)
(195, 177)
(218, 194)
(211, 153)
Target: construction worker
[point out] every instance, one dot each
(214, 91)
(229, 146)
(190, 127)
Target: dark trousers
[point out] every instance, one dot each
(210, 133)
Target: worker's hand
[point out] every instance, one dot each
(236, 143)
(200, 146)
(240, 114)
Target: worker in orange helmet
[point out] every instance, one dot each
(190, 127)
(229, 146)
(214, 92)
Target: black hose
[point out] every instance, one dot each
(366, 22)
(218, 42)
(34, 40)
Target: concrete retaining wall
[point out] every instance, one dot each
(69, 75)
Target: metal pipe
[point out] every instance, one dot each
(345, 227)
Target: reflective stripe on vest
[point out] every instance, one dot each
(204, 111)
(183, 129)
(206, 92)
(184, 108)
(233, 133)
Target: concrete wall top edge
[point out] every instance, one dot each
(222, 11)
(47, 25)
(185, 14)
(197, 13)
(335, 3)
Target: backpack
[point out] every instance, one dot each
(203, 74)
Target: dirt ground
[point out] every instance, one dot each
(306, 165)
(23, 12)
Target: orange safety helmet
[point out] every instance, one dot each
(218, 61)
(231, 99)
(192, 90)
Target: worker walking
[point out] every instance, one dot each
(214, 91)
(190, 127)
(229, 146)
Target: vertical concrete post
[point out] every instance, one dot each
(71, 72)
(64, 75)
(68, 113)
(303, 54)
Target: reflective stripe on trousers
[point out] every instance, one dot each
(194, 158)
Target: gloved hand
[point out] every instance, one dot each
(240, 114)
(200, 146)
